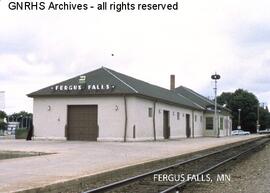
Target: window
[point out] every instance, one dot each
(221, 123)
(209, 123)
(178, 116)
(226, 123)
(150, 112)
(201, 118)
(195, 118)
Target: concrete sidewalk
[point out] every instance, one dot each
(77, 159)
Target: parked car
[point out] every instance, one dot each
(240, 132)
(265, 131)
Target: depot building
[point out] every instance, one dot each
(105, 105)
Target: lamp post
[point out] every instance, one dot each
(258, 118)
(216, 77)
(21, 121)
(26, 122)
(239, 118)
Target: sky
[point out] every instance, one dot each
(229, 37)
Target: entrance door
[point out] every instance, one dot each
(82, 122)
(188, 131)
(166, 124)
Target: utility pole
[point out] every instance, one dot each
(258, 118)
(216, 77)
(239, 119)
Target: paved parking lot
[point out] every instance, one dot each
(73, 159)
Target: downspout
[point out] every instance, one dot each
(125, 132)
(154, 121)
(192, 123)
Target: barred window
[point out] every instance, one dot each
(209, 123)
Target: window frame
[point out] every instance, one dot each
(207, 124)
(178, 116)
(150, 112)
(221, 123)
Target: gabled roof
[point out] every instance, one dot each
(200, 100)
(119, 84)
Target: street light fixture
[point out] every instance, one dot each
(239, 119)
(216, 77)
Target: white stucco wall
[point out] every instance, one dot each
(226, 126)
(177, 127)
(226, 131)
(207, 132)
(138, 118)
(198, 124)
(50, 124)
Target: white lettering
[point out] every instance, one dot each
(223, 177)
(101, 87)
(82, 78)
(156, 176)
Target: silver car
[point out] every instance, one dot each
(240, 132)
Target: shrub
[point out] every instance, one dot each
(21, 133)
(3, 126)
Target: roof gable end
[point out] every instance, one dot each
(99, 81)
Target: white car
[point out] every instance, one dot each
(240, 132)
(266, 131)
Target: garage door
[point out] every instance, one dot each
(82, 122)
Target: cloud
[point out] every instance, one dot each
(256, 34)
(229, 37)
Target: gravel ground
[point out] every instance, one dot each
(74, 161)
(248, 175)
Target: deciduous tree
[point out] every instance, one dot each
(248, 103)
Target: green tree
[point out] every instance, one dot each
(3, 125)
(3, 115)
(267, 123)
(247, 102)
(264, 118)
(225, 98)
(23, 117)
